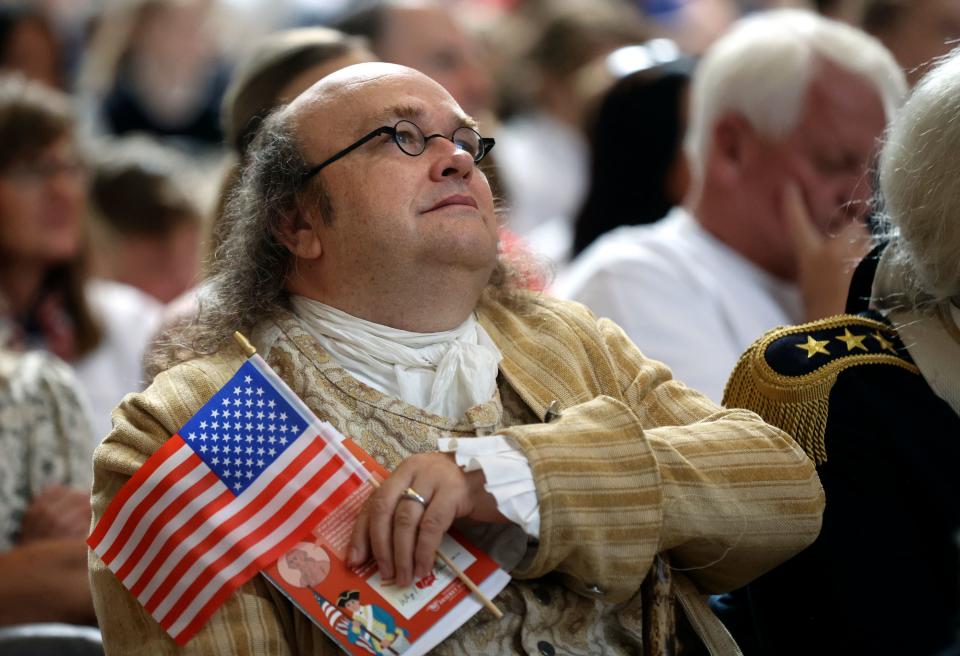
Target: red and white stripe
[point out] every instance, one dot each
(181, 541)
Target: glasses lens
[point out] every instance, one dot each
(409, 138)
(468, 140)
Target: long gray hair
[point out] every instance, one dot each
(919, 192)
(246, 274)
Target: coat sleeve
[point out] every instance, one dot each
(650, 466)
(254, 619)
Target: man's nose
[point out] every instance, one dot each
(451, 160)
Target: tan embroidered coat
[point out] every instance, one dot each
(636, 465)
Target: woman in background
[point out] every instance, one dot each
(638, 171)
(46, 299)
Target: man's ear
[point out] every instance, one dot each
(732, 147)
(298, 232)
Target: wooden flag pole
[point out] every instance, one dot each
(244, 343)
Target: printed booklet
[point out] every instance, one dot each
(354, 608)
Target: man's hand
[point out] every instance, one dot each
(825, 264)
(57, 512)
(403, 535)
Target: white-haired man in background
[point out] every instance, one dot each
(785, 110)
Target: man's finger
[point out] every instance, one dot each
(435, 522)
(406, 523)
(359, 550)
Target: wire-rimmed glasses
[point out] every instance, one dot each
(411, 141)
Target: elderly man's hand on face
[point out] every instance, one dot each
(57, 512)
(825, 263)
(402, 534)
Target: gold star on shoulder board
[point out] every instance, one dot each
(884, 343)
(814, 346)
(852, 341)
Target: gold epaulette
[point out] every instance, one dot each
(786, 376)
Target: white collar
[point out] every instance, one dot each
(445, 372)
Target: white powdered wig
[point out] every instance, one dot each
(762, 67)
(920, 187)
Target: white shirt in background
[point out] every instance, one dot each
(544, 167)
(114, 369)
(683, 296)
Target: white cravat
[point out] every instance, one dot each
(444, 373)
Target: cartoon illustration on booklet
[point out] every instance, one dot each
(361, 614)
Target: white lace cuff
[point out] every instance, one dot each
(508, 476)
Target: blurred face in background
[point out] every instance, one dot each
(42, 202)
(827, 155)
(430, 40)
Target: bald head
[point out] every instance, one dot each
(349, 102)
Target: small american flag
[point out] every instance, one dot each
(244, 479)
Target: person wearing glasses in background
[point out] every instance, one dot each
(48, 300)
(362, 261)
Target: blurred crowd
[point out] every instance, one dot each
(624, 182)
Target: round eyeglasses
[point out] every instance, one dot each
(410, 140)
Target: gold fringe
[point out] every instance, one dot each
(799, 405)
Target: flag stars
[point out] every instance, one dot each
(215, 460)
(248, 391)
(260, 415)
(272, 428)
(259, 403)
(248, 379)
(248, 426)
(272, 452)
(237, 390)
(248, 462)
(283, 428)
(192, 436)
(248, 450)
(203, 425)
(214, 413)
(283, 416)
(249, 474)
(226, 401)
(215, 448)
(203, 448)
(272, 415)
(272, 440)
(260, 452)
(259, 391)
(260, 463)
(237, 402)
(248, 403)
(237, 486)
(283, 441)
